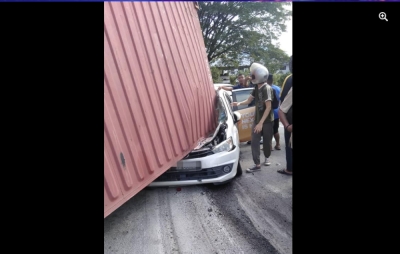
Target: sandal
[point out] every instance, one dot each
(253, 168)
(283, 171)
(278, 147)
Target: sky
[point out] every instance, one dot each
(285, 39)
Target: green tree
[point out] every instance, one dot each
(215, 74)
(279, 78)
(236, 30)
(273, 57)
(232, 79)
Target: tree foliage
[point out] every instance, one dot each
(274, 58)
(280, 78)
(215, 74)
(232, 79)
(234, 31)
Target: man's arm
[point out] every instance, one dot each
(284, 108)
(246, 102)
(248, 82)
(282, 118)
(226, 88)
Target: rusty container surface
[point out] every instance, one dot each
(158, 93)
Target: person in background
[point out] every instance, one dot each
(241, 84)
(277, 91)
(250, 84)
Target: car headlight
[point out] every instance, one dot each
(225, 146)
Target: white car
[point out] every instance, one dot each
(216, 159)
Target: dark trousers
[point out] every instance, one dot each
(267, 133)
(289, 159)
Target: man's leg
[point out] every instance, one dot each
(267, 136)
(255, 149)
(288, 149)
(276, 135)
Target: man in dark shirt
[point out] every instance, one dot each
(241, 84)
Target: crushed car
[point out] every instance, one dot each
(215, 159)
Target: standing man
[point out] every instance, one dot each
(241, 84)
(264, 115)
(285, 115)
(277, 91)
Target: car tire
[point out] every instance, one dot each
(239, 170)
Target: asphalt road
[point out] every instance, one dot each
(251, 214)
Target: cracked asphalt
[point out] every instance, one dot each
(251, 214)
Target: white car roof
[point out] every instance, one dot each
(221, 84)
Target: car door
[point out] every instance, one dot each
(247, 111)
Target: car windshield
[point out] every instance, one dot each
(220, 110)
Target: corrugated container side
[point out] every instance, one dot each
(158, 93)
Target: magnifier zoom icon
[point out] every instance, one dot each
(382, 16)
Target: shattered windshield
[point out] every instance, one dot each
(220, 110)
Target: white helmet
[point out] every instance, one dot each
(259, 73)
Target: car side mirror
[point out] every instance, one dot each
(236, 117)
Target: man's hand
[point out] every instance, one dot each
(258, 128)
(234, 104)
(219, 88)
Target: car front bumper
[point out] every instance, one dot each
(211, 171)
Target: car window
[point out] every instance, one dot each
(229, 99)
(242, 96)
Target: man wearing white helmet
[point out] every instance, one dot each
(264, 115)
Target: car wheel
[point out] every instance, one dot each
(239, 170)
